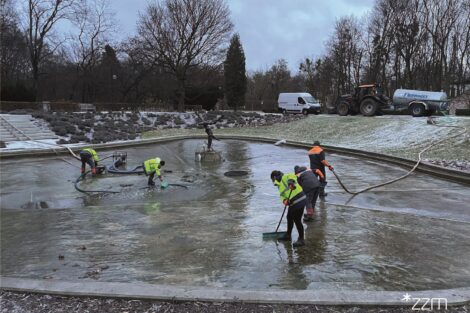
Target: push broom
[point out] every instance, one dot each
(278, 234)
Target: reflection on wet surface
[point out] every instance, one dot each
(414, 234)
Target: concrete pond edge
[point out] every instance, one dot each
(145, 291)
(430, 169)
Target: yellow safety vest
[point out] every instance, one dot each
(152, 165)
(93, 153)
(283, 187)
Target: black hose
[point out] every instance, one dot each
(79, 179)
(178, 185)
(112, 169)
(175, 185)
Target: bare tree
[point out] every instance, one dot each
(95, 26)
(441, 18)
(183, 34)
(14, 61)
(42, 15)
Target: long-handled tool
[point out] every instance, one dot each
(278, 234)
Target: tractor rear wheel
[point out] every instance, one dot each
(343, 108)
(368, 107)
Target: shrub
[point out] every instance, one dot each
(70, 129)
(79, 137)
(462, 112)
(146, 121)
(178, 120)
(59, 130)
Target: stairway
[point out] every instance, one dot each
(21, 128)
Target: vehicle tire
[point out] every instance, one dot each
(368, 107)
(304, 112)
(342, 108)
(418, 110)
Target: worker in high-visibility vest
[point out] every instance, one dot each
(317, 161)
(89, 156)
(152, 168)
(293, 196)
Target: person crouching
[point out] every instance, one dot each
(89, 156)
(152, 168)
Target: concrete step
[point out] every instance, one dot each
(6, 139)
(16, 117)
(23, 128)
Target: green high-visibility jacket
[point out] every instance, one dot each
(93, 153)
(283, 187)
(152, 165)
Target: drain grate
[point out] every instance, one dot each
(235, 173)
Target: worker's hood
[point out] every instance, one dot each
(299, 169)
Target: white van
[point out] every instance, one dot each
(298, 102)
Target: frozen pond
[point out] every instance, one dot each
(411, 235)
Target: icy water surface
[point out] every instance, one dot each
(414, 234)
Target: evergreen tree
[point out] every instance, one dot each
(235, 74)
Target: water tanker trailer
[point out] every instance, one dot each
(419, 102)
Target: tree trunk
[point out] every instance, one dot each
(36, 81)
(181, 94)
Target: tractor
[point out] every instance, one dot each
(366, 99)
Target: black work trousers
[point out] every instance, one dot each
(294, 216)
(86, 157)
(312, 197)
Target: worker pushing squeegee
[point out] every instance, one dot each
(293, 197)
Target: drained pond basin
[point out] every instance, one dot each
(410, 235)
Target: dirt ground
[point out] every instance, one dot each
(12, 302)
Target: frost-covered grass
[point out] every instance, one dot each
(401, 136)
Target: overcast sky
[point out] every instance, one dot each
(269, 29)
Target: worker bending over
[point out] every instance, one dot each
(152, 168)
(89, 156)
(291, 195)
(318, 162)
(308, 180)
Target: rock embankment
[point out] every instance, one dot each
(113, 126)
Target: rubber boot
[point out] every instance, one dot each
(286, 237)
(309, 216)
(93, 171)
(299, 243)
(322, 189)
